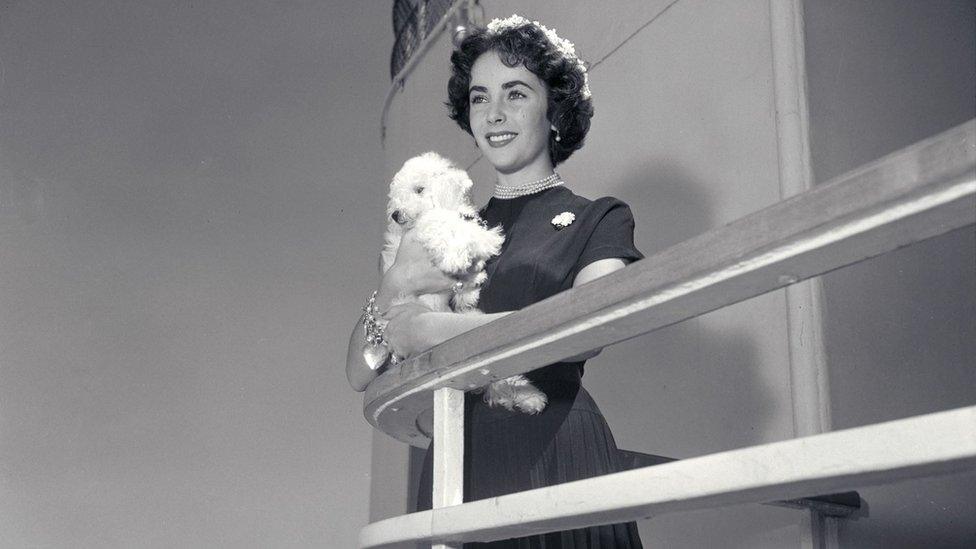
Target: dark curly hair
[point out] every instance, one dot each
(568, 110)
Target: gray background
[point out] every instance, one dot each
(182, 254)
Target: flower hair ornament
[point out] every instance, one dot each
(563, 46)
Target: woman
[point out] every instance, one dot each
(522, 93)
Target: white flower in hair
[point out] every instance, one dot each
(497, 25)
(565, 47)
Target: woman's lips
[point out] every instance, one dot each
(500, 139)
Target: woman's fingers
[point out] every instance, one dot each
(416, 267)
(401, 331)
(405, 309)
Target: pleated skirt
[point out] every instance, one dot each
(508, 452)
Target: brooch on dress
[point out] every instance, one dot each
(563, 220)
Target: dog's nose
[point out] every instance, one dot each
(397, 218)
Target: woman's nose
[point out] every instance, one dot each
(495, 114)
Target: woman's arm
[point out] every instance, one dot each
(358, 372)
(414, 329)
(591, 272)
(411, 274)
(597, 269)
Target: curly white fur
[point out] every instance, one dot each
(432, 196)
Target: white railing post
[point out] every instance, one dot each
(804, 301)
(448, 451)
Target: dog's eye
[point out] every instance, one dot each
(419, 190)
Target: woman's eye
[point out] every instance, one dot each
(515, 94)
(479, 99)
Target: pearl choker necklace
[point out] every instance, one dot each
(515, 191)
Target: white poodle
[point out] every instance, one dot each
(433, 197)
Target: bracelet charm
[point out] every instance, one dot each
(375, 351)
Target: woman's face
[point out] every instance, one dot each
(508, 117)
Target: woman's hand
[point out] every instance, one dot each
(411, 274)
(405, 333)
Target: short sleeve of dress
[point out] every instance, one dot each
(612, 235)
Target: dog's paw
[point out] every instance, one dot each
(531, 400)
(465, 300)
(516, 393)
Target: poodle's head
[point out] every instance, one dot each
(425, 182)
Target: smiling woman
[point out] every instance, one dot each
(522, 93)
(508, 119)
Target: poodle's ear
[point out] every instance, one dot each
(466, 182)
(461, 182)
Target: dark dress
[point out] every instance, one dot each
(507, 451)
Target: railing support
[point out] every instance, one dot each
(448, 452)
(804, 301)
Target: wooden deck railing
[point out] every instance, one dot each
(922, 191)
